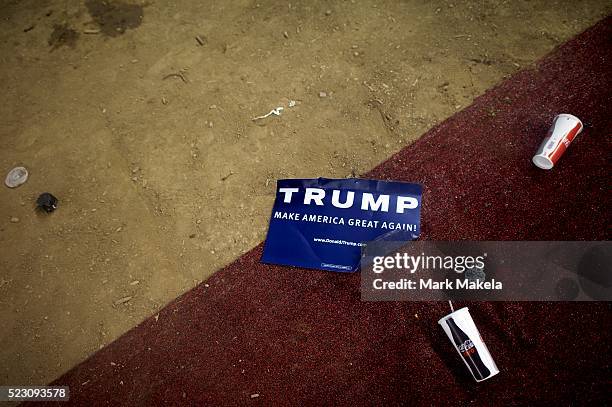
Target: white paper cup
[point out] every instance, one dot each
(563, 131)
(463, 333)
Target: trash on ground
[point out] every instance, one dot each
(201, 40)
(46, 202)
(178, 75)
(123, 300)
(16, 177)
(276, 112)
(563, 131)
(462, 331)
(475, 274)
(324, 223)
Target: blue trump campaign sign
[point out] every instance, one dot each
(323, 223)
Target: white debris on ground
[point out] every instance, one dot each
(16, 177)
(276, 111)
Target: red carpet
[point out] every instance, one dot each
(302, 337)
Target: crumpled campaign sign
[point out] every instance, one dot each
(324, 223)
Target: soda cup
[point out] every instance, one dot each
(563, 131)
(462, 331)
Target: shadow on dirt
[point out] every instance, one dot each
(114, 17)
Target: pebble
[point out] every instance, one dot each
(328, 12)
(322, 94)
(14, 219)
(254, 396)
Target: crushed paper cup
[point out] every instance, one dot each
(563, 131)
(16, 177)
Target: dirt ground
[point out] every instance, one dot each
(138, 117)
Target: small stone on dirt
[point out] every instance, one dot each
(254, 396)
(322, 94)
(14, 219)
